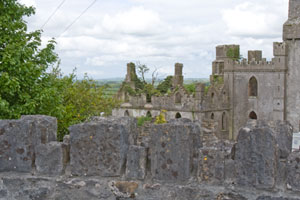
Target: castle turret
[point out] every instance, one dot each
(200, 91)
(254, 55)
(178, 78)
(224, 52)
(131, 73)
(294, 9)
(291, 46)
(291, 28)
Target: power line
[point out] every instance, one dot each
(76, 19)
(58, 7)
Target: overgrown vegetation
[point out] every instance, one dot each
(161, 118)
(27, 86)
(234, 53)
(218, 80)
(190, 88)
(141, 120)
(165, 85)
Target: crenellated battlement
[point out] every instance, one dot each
(254, 65)
(279, 49)
(254, 62)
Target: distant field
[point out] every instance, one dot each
(111, 86)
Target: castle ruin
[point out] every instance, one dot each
(240, 89)
(114, 159)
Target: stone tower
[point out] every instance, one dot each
(291, 37)
(131, 74)
(178, 78)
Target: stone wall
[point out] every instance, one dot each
(109, 158)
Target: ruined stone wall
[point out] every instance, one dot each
(108, 158)
(293, 82)
(269, 101)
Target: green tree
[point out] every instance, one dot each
(191, 88)
(82, 99)
(142, 70)
(165, 85)
(24, 86)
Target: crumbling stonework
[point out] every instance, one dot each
(173, 147)
(99, 147)
(184, 159)
(258, 153)
(20, 138)
(240, 89)
(177, 163)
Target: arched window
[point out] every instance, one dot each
(253, 115)
(212, 97)
(252, 87)
(126, 97)
(178, 115)
(224, 121)
(148, 98)
(126, 114)
(212, 116)
(178, 98)
(148, 114)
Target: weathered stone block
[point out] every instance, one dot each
(293, 168)
(50, 158)
(136, 162)
(260, 153)
(230, 196)
(274, 198)
(18, 139)
(283, 133)
(99, 147)
(211, 166)
(256, 157)
(129, 123)
(44, 127)
(229, 171)
(173, 147)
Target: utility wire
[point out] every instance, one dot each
(58, 7)
(76, 19)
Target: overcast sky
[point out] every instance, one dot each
(157, 33)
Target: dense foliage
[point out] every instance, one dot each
(81, 99)
(234, 53)
(24, 87)
(27, 86)
(190, 88)
(161, 118)
(141, 120)
(165, 85)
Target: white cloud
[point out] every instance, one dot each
(157, 33)
(28, 2)
(249, 19)
(137, 20)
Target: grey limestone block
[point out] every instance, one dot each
(261, 152)
(50, 158)
(293, 174)
(283, 133)
(256, 157)
(136, 163)
(173, 147)
(44, 127)
(275, 198)
(99, 147)
(211, 166)
(230, 196)
(130, 124)
(18, 139)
